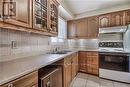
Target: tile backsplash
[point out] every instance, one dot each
(83, 43)
(26, 44)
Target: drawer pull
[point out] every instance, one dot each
(10, 85)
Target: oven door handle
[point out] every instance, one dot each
(115, 54)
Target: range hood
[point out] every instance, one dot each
(118, 29)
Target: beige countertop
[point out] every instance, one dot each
(14, 69)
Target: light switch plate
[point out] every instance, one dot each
(14, 44)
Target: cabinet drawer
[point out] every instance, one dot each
(92, 53)
(29, 80)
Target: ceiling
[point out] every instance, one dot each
(82, 6)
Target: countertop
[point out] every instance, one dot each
(14, 69)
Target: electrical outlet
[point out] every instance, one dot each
(13, 44)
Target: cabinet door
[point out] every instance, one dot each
(81, 28)
(53, 16)
(71, 29)
(128, 17)
(92, 63)
(74, 65)
(77, 63)
(83, 61)
(18, 12)
(40, 14)
(67, 74)
(118, 18)
(104, 21)
(93, 27)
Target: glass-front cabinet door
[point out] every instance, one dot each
(40, 14)
(53, 16)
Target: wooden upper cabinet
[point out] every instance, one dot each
(53, 16)
(93, 28)
(71, 29)
(104, 20)
(128, 17)
(40, 14)
(18, 12)
(117, 19)
(77, 28)
(81, 28)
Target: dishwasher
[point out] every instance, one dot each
(50, 76)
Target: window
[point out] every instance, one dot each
(62, 31)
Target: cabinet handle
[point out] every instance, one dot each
(10, 85)
(9, 9)
(48, 84)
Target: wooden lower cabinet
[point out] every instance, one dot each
(82, 61)
(70, 68)
(88, 62)
(67, 72)
(74, 65)
(30, 80)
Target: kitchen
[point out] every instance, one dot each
(64, 43)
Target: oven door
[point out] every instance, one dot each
(114, 61)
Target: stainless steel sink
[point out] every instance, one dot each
(60, 52)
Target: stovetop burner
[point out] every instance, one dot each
(111, 44)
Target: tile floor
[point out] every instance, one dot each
(85, 80)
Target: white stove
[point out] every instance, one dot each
(114, 61)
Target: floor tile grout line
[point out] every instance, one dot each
(99, 83)
(86, 81)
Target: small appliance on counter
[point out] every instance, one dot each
(114, 53)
